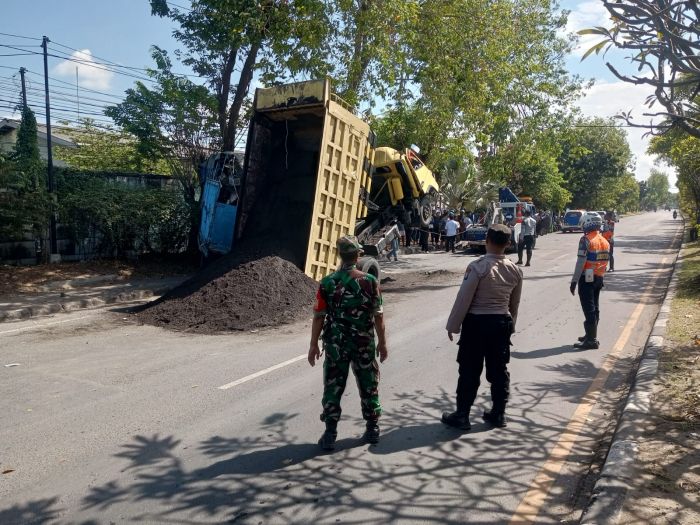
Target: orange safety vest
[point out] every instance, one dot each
(598, 253)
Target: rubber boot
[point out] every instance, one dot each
(590, 342)
(529, 257)
(371, 434)
(327, 440)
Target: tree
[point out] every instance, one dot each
(107, 149)
(228, 42)
(656, 194)
(465, 187)
(662, 40)
(173, 120)
(595, 154)
(24, 200)
(682, 151)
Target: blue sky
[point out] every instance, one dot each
(123, 31)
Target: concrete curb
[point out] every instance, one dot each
(93, 302)
(618, 476)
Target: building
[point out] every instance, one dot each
(8, 137)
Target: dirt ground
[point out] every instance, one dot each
(29, 279)
(669, 455)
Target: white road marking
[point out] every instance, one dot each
(35, 326)
(262, 372)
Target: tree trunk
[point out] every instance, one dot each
(241, 92)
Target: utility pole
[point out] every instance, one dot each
(53, 253)
(24, 89)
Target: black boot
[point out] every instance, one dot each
(496, 417)
(458, 419)
(372, 432)
(327, 440)
(589, 342)
(529, 258)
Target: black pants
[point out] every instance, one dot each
(450, 243)
(528, 241)
(612, 249)
(589, 295)
(484, 338)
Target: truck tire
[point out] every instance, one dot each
(425, 211)
(369, 265)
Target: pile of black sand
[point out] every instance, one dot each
(237, 292)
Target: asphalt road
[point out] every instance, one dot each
(105, 421)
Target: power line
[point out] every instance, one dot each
(21, 36)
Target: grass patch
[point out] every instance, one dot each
(680, 374)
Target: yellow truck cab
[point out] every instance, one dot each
(405, 178)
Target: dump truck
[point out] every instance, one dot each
(312, 173)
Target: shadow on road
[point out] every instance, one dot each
(420, 471)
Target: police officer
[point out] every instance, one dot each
(528, 229)
(348, 309)
(592, 260)
(485, 312)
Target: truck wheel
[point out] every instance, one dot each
(425, 211)
(369, 265)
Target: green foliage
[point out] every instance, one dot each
(24, 200)
(26, 151)
(683, 152)
(466, 187)
(105, 149)
(122, 217)
(228, 42)
(656, 190)
(594, 156)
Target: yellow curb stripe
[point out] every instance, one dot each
(530, 506)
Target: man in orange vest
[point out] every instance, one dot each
(592, 261)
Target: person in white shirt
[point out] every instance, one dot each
(527, 237)
(451, 229)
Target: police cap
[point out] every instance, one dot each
(499, 234)
(348, 244)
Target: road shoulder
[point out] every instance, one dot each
(647, 476)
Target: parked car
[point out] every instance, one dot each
(571, 221)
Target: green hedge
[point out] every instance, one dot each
(122, 217)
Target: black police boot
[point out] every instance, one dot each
(372, 432)
(458, 419)
(327, 440)
(529, 258)
(589, 342)
(496, 417)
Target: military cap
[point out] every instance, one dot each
(348, 244)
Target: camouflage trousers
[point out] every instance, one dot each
(336, 368)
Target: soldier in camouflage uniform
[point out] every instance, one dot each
(348, 308)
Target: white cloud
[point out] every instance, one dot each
(588, 14)
(89, 76)
(607, 99)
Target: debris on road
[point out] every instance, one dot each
(10, 365)
(227, 296)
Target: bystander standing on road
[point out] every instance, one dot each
(527, 237)
(485, 312)
(348, 309)
(451, 229)
(467, 222)
(592, 260)
(609, 234)
(435, 230)
(402, 233)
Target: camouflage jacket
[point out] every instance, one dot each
(348, 299)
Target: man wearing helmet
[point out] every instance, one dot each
(591, 263)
